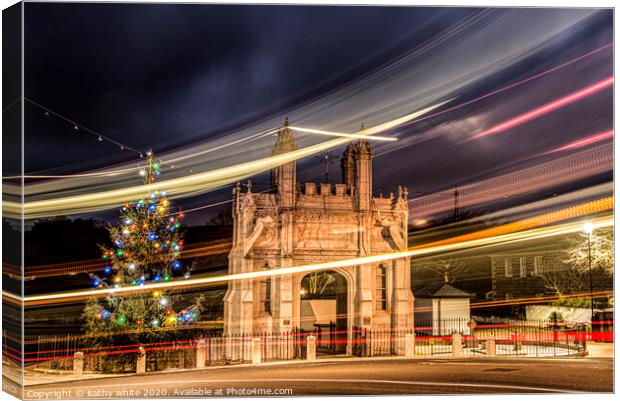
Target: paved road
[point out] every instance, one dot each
(358, 377)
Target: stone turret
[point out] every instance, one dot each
(347, 164)
(283, 178)
(285, 140)
(363, 173)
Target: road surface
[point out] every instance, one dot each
(446, 376)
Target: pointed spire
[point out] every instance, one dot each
(363, 146)
(285, 140)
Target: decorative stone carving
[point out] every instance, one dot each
(393, 229)
(292, 227)
(261, 224)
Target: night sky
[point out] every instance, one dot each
(171, 76)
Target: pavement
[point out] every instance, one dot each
(352, 377)
(600, 350)
(39, 376)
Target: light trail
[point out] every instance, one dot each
(216, 247)
(526, 229)
(391, 92)
(549, 298)
(568, 168)
(511, 86)
(182, 186)
(342, 134)
(547, 108)
(132, 170)
(584, 142)
(273, 130)
(170, 161)
(524, 301)
(93, 265)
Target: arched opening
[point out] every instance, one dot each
(323, 308)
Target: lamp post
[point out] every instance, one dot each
(588, 228)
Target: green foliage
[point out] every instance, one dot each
(147, 243)
(572, 303)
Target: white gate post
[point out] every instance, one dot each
(457, 344)
(256, 350)
(141, 364)
(409, 345)
(78, 364)
(201, 348)
(490, 347)
(311, 348)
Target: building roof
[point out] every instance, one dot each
(441, 290)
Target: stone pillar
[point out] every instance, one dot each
(282, 305)
(141, 363)
(239, 298)
(409, 345)
(311, 348)
(201, 353)
(490, 346)
(78, 364)
(347, 164)
(256, 350)
(457, 344)
(363, 175)
(402, 297)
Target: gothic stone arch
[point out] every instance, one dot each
(302, 224)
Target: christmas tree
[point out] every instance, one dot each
(147, 244)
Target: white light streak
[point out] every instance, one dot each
(566, 228)
(182, 186)
(342, 134)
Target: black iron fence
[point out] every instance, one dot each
(510, 337)
(209, 348)
(378, 342)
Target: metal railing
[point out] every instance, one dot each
(518, 338)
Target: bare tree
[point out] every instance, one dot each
(561, 279)
(222, 218)
(449, 269)
(601, 251)
(318, 282)
(568, 272)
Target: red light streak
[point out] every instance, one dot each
(584, 142)
(566, 168)
(513, 85)
(547, 108)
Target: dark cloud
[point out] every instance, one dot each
(168, 75)
(163, 75)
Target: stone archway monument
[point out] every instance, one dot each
(307, 223)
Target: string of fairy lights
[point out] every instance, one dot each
(78, 128)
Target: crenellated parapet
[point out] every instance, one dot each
(400, 202)
(324, 189)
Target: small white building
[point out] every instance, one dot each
(442, 308)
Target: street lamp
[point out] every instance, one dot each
(588, 228)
